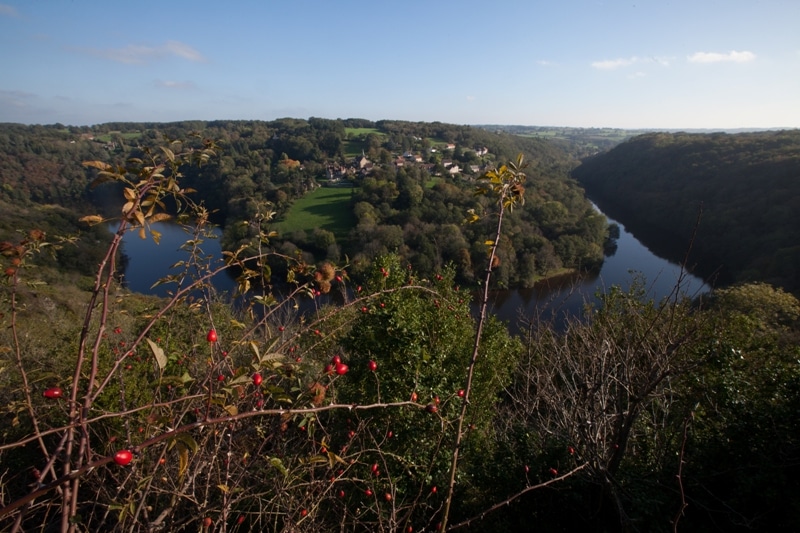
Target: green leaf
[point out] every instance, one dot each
(277, 463)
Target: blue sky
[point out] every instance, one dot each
(584, 63)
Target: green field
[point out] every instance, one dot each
(108, 137)
(361, 132)
(327, 208)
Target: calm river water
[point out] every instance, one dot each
(147, 262)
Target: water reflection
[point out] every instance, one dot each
(552, 299)
(630, 263)
(146, 262)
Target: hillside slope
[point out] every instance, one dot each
(745, 186)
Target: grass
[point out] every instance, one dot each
(353, 148)
(359, 132)
(327, 208)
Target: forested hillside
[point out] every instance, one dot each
(410, 188)
(746, 186)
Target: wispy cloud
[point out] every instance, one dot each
(18, 99)
(8, 11)
(715, 57)
(170, 84)
(613, 64)
(544, 63)
(139, 55)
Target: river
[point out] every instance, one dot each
(148, 262)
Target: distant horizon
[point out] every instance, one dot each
(743, 129)
(679, 65)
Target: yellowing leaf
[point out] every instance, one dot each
(156, 236)
(223, 488)
(159, 217)
(167, 152)
(99, 165)
(254, 347)
(158, 352)
(91, 219)
(183, 460)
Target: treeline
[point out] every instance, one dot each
(416, 210)
(556, 229)
(745, 189)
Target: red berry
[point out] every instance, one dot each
(328, 369)
(375, 467)
(303, 512)
(553, 471)
(527, 469)
(123, 457)
(461, 393)
(434, 489)
(342, 369)
(372, 365)
(211, 337)
(335, 360)
(364, 309)
(257, 379)
(281, 328)
(368, 492)
(240, 520)
(341, 494)
(431, 408)
(571, 450)
(339, 279)
(220, 378)
(414, 396)
(207, 521)
(53, 393)
(387, 497)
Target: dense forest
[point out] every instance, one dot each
(398, 409)
(411, 188)
(740, 191)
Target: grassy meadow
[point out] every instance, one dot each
(326, 208)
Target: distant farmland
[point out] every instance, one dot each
(327, 208)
